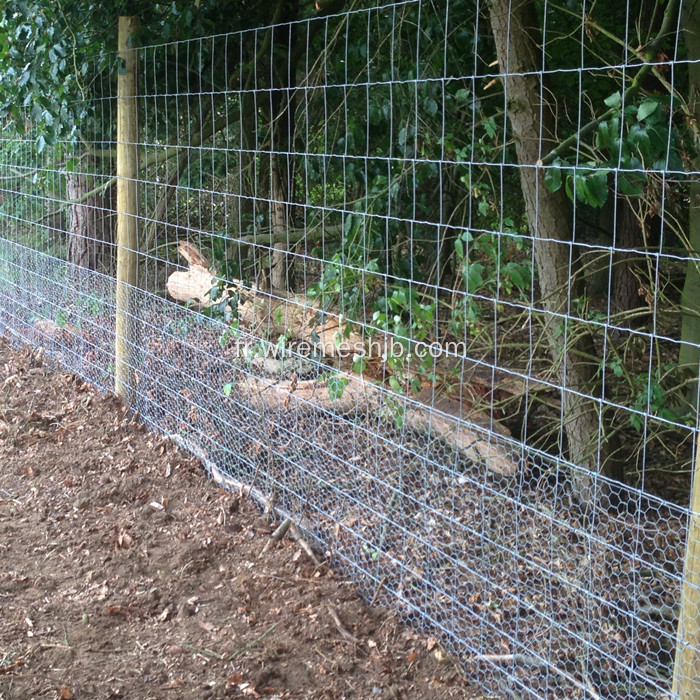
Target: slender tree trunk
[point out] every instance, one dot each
(515, 30)
(281, 136)
(91, 223)
(690, 299)
(685, 673)
(81, 249)
(630, 235)
(279, 264)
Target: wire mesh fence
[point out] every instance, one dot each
(419, 277)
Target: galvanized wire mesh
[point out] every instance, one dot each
(365, 344)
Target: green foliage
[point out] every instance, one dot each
(53, 52)
(633, 141)
(336, 384)
(347, 279)
(493, 264)
(404, 315)
(653, 393)
(39, 72)
(408, 320)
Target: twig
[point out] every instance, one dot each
(589, 686)
(277, 535)
(255, 476)
(299, 539)
(11, 667)
(377, 591)
(251, 644)
(339, 625)
(522, 659)
(281, 531)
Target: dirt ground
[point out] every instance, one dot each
(124, 573)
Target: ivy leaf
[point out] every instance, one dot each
(459, 249)
(629, 188)
(646, 109)
(431, 107)
(516, 277)
(552, 178)
(605, 136)
(597, 188)
(336, 386)
(474, 277)
(614, 100)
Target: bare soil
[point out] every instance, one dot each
(124, 573)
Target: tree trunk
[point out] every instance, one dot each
(278, 256)
(629, 235)
(690, 299)
(91, 224)
(281, 136)
(81, 250)
(515, 31)
(685, 674)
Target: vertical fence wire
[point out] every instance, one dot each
(348, 305)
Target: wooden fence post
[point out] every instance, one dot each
(686, 670)
(127, 206)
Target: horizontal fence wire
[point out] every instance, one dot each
(464, 372)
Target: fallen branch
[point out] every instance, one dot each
(261, 313)
(277, 535)
(441, 418)
(265, 314)
(298, 537)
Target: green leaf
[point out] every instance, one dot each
(336, 386)
(598, 188)
(40, 144)
(228, 388)
(628, 187)
(646, 109)
(459, 249)
(614, 100)
(474, 277)
(395, 384)
(490, 127)
(552, 178)
(605, 137)
(516, 277)
(360, 364)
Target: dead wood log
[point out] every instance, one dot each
(441, 417)
(264, 314)
(46, 329)
(459, 422)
